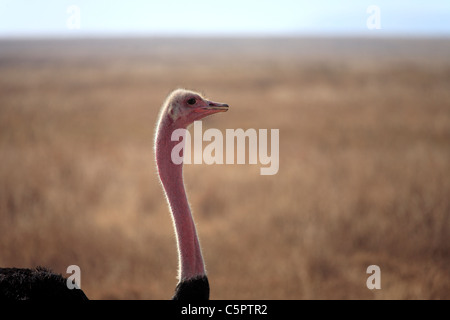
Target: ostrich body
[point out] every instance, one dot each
(36, 284)
(181, 108)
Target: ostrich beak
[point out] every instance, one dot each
(216, 107)
(211, 107)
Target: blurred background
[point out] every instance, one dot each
(358, 89)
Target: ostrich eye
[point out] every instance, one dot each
(191, 101)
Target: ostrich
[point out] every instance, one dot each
(181, 108)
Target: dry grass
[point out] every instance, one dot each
(364, 165)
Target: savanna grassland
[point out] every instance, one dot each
(364, 176)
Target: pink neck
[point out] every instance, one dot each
(189, 253)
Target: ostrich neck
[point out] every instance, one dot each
(189, 253)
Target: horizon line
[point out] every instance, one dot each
(232, 35)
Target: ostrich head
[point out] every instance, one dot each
(184, 107)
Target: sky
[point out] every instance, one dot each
(66, 18)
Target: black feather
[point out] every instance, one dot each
(36, 284)
(192, 289)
